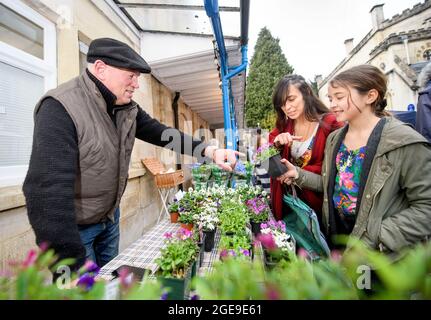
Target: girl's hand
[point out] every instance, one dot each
(285, 139)
(291, 175)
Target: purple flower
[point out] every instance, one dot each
(245, 252)
(272, 223)
(232, 253)
(282, 225)
(86, 281)
(164, 296)
(195, 297)
(90, 266)
(263, 225)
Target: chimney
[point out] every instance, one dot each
(377, 16)
(318, 79)
(349, 45)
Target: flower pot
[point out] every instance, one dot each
(209, 240)
(188, 226)
(195, 266)
(274, 166)
(179, 289)
(174, 217)
(241, 182)
(268, 263)
(201, 245)
(255, 227)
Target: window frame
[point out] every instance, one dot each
(46, 68)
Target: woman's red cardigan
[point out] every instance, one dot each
(313, 199)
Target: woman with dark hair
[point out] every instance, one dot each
(303, 124)
(376, 175)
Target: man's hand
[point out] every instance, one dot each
(291, 174)
(224, 158)
(285, 139)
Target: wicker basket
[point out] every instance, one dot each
(163, 180)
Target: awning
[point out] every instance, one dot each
(177, 42)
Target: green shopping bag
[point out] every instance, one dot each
(303, 225)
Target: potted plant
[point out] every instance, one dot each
(277, 244)
(208, 224)
(237, 246)
(243, 173)
(268, 157)
(258, 211)
(173, 210)
(201, 172)
(187, 219)
(220, 176)
(175, 263)
(233, 217)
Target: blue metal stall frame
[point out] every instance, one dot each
(230, 124)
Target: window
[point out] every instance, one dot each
(83, 50)
(28, 69)
(20, 32)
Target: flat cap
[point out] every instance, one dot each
(117, 54)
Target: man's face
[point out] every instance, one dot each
(121, 82)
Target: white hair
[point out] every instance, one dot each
(424, 76)
(90, 66)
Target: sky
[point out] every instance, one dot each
(312, 32)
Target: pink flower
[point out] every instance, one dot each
(336, 255)
(30, 259)
(272, 293)
(184, 234)
(302, 253)
(44, 246)
(168, 235)
(267, 241)
(126, 278)
(224, 254)
(6, 274)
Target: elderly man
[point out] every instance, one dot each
(83, 139)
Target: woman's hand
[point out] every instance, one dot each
(285, 139)
(291, 175)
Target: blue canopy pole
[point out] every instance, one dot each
(230, 127)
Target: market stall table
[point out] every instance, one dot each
(143, 252)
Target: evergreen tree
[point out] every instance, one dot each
(268, 65)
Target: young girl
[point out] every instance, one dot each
(376, 175)
(303, 124)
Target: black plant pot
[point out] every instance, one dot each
(201, 245)
(255, 227)
(268, 263)
(275, 167)
(209, 240)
